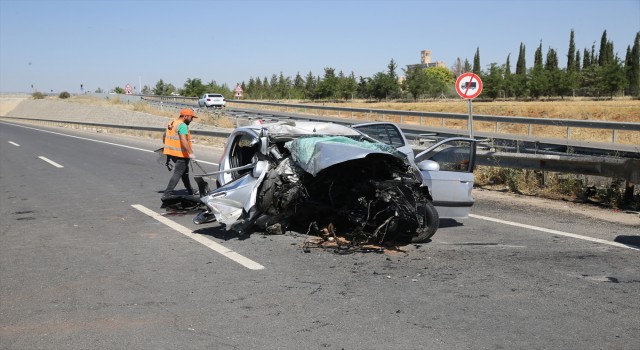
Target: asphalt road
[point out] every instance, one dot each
(88, 260)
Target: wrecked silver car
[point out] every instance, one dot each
(307, 176)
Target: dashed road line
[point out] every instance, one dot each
(51, 162)
(555, 232)
(242, 260)
(94, 140)
(13, 143)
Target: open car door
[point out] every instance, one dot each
(447, 169)
(388, 133)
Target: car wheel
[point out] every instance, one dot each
(432, 222)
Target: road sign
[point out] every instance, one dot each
(468, 85)
(128, 89)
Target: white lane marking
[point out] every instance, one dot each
(13, 143)
(51, 162)
(244, 261)
(93, 140)
(555, 232)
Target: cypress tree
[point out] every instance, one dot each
(586, 60)
(632, 67)
(467, 65)
(520, 79)
(537, 57)
(521, 66)
(603, 57)
(571, 55)
(476, 62)
(552, 60)
(508, 80)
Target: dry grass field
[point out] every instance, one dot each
(619, 110)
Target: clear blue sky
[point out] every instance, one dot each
(58, 45)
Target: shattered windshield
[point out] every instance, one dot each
(313, 154)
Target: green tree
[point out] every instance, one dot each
(632, 67)
(606, 55)
(118, 90)
(520, 80)
(613, 79)
(160, 89)
(508, 81)
(415, 82)
(364, 89)
(493, 82)
(590, 80)
(193, 88)
(476, 62)
(394, 86)
(521, 64)
(554, 75)
(328, 86)
(571, 54)
(438, 81)
(570, 76)
(538, 81)
(347, 86)
(298, 87)
(467, 66)
(310, 86)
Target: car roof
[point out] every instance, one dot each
(299, 128)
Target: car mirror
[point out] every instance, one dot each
(428, 165)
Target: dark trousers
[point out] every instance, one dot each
(180, 171)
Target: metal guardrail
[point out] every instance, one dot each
(379, 114)
(628, 169)
(498, 120)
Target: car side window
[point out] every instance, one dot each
(384, 133)
(453, 156)
(243, 149)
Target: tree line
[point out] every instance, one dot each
(588, 72)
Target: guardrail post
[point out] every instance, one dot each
(568, 133)
(529, 131)
(615, 136)
(497, 127)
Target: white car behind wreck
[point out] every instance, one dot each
(303, 175)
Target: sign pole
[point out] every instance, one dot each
(470, 124)
(469, 86)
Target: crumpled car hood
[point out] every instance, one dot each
(314, 154)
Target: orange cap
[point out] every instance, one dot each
(187, 112)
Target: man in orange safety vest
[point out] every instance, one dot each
(177, 147)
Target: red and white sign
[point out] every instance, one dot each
(128, 89)
(238, 91)
(468, 85)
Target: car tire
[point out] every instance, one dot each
(432, 219)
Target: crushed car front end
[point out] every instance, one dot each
(307, 177)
